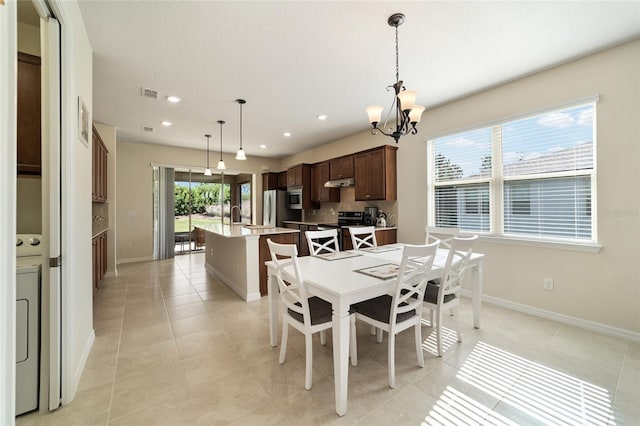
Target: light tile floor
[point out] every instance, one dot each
(175, 346)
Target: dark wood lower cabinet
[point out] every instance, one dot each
(383, 237)
(264, 255)
(99, 256)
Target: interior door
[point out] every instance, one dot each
(51, 335)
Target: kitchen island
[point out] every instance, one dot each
(236, 254)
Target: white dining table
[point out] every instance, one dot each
(341, 283)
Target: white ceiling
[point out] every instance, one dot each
(295, 60)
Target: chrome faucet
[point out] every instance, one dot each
(231, 213)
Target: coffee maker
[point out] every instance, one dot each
(370, 215)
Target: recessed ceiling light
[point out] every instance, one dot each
(166, 123)
(322, 117)
(173, 99)
(263, 146)
(286, 134)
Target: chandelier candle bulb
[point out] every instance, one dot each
(375, 113)
(407, 100)
(416, 114)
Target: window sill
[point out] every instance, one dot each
(552, 244)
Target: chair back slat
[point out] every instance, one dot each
(325, 241)
(415, 269)
(293, 293)
(363, 237)
(456, 265)
(444, 234)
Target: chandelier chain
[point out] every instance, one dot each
(397, 58)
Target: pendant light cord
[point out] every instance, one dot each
(221, 123)
(241, 125)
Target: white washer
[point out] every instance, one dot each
(28, 270)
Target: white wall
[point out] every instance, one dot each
(602, 288)
(77, 293)
(8, 107)
(134, 196)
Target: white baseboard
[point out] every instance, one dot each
(134, 260)
(77, 375)
(561, 318)
(233, 286)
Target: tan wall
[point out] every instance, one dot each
(600, 287)
(134, 198)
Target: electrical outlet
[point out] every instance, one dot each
(548, 284)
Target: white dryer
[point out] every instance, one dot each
(28, 272)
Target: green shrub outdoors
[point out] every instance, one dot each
(202, 196)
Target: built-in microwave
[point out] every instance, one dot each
(294, 198)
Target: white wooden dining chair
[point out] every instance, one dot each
(444, 234)
(325, 241)
(363, 237)
(445, 295)
(403, 310)
(309, 315)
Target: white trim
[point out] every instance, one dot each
(8, 107)
(83, 359)
(587, 247)
(111, 274)
(561, 318)
(249, 297)
(135, 260)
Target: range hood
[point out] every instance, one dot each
(339, 183)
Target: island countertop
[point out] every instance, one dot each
(239, 230)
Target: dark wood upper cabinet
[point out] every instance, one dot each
(319, 175)
(29, 137)
(99, 168)
(375, 174)
(270, 181)
(295, 174)
(341, 167)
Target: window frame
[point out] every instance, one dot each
(496, 182)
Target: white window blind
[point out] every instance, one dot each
(541, 168)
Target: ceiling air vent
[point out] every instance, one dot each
(149, 93)
(147, 128)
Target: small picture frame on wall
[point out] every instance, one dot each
(83, 122)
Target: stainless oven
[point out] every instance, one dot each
(294, 198)
(345, 219)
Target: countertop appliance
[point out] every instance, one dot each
(382, 219)
(28, 271)
(345, 219)
(370, 215)
(274, 208)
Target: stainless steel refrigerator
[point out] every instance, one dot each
(274, 208)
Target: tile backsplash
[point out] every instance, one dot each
(328, 212)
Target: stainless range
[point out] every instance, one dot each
(345, 219)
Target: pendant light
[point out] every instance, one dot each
(240, 154)
(207, 171)
(221, 165)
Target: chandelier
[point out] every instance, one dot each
(407, 113)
